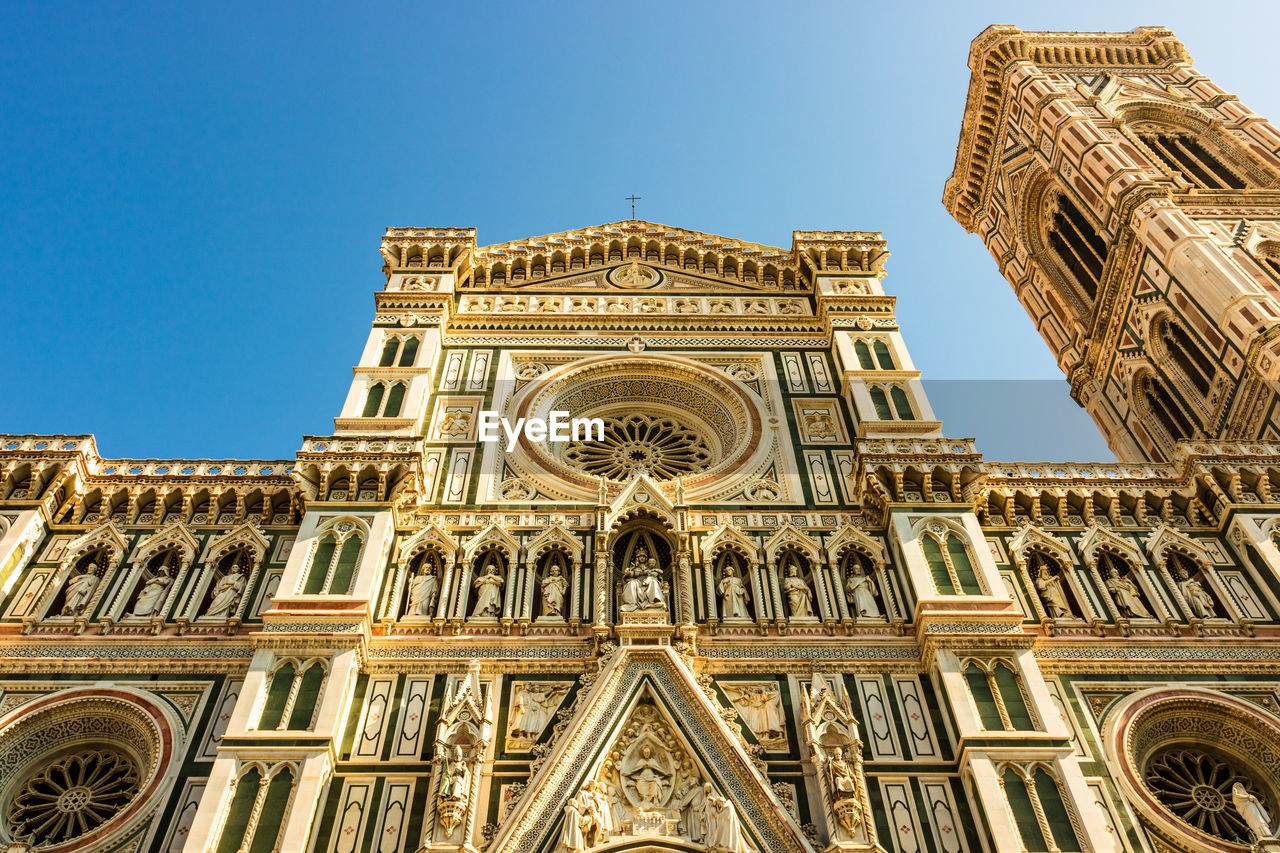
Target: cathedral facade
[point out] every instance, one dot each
(764, 603)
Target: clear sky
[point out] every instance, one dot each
(192, 195)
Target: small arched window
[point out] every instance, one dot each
(1077, 244)
(881, 403)
(882, 356)
(864, 355)
(1175, 422)
(333, 565)
(395, 399)
(950, 565)
(1190, 359)
(373, 402)
(409, 352)
(389, 350)
(901, 404)
(1019, 795)
(1183, 153)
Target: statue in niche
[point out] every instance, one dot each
(1052, 594)
(488, 591)
(1254, 813)
(424, 589)
(1127, 597)
(643, 589)
(554, 587)
(860, 592)
(455, 778)
(152, 591)
(760, 706)
(840, 776)
(1197, 597)
(799, 596)
(226, 594)
(724, 833)
(733, 592)
(534, 704)
(79, 591)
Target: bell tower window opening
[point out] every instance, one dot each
(1183, 153)
(1077, 245)
(1168, 414)
(1190, 358)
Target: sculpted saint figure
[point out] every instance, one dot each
(225, 595)
(643, 589)
(456, 778)
(152, 592)
(554, 586)
(1126, 595)
(649, 776)
(860, 591)
(843, 785)
(424, 589)
(1198, 599)
(1051, 593)
(534, 705)
(799, 596)
(488, 592)
(734, 593)
(598, 817)
(761, 708)
(574, 817)
(1253, 812)
(724, 833)
(79, 591)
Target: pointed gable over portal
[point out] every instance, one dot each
(646, 728)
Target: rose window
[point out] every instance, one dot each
(1196, 787)
(634, 444)
(73, 795)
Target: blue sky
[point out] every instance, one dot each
(191, 196)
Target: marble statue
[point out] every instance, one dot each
(554, 587)
(643, 589)
(1126, 595)
(226, 594)
(456, 777)
(80, 589)
(488, 592)
(1253, 812)
(843, 785)
(424, 589)
(1052, 594)
(860, 592)
(597, 814)
(724, 833)
(1198, 598)
(799, 596)
(571, 837)
(152, 591)
(734, 594)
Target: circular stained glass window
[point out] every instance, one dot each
(73, 795)
(659, 447)
(1196, 786)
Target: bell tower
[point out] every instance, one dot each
(1135, 208)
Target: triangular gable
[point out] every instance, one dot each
(492, 533)
(1031, 536)
(851, 537)
(1101, 537)
(641, 496)
(174, 533)
(556, 534)
(108, 533)
(1165, 537)
(726, 534)
(788, 534)
(245, 534)
(432, 534)
(534, 824)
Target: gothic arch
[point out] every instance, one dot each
(493, 536)
(1041, 200)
